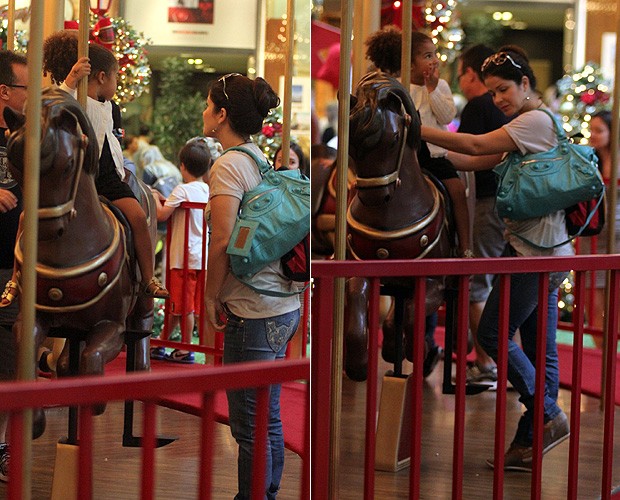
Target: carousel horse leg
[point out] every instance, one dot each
(356, 329)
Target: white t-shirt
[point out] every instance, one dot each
(534, 132)
(197, 192)
(436, 110)
(100, 116)
(233, 174)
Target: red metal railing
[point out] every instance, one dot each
(324, 274)
(84, 392)
(211, 343)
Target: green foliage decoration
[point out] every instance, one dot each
(177, 110)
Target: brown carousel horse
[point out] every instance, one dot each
(397, 212)
(85, 280)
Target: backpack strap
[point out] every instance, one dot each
(262, 163)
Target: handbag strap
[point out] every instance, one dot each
(262, 163)
(571, 237)
(561, 135)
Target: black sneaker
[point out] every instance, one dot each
(434, 355)
(4, 462)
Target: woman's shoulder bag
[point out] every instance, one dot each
(274, 219)
(537, 184)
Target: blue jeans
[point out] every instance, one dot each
(257, 340)
(522, 362)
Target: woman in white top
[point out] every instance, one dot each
(256, 327)
(511, 81)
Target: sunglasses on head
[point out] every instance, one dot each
(223, 80)
(499, 59)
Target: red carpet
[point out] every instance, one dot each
(591, 372)
(293, 401)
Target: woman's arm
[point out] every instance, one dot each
(224, 210)
(494, 142)
(473, 163)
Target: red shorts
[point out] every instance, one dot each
(188, 288)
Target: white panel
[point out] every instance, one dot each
(234, 24)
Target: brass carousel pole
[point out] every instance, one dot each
(25, 368)
(342, 162)
(288, 81)
(84, 18)
(612, 199)
(10, 34)
(405, 58)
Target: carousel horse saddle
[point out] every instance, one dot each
(129, 240)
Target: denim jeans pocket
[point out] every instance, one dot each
(279, 331)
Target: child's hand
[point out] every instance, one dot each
(431, 77)
(79, 70)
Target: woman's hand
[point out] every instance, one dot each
(215, 314)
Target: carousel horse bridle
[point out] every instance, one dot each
(68, 207)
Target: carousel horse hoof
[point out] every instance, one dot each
(356, 371)
(99, 409)
(44, 366)
(38, 422)
(10, 294)
(155, 289)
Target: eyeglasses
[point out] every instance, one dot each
(15, 86)
(223, 80)
(499, 59)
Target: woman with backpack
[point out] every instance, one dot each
(256, 327)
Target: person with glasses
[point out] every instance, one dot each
(13, 83)
(256, 327)
(480, 116)
(512, 84)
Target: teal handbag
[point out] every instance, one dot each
(273, 218)
(538, 184)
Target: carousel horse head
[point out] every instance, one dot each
(384, 132)
(68, 149)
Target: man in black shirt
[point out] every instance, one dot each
(479, 116)
(13, 85)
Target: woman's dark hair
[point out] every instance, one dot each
(383, 49)
(605, 116)
(506, 67)
(246, 101)
(60, 53)
(296, 148)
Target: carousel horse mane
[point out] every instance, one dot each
(375, 93)
(59, 110)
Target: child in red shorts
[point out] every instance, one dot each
(185, 280)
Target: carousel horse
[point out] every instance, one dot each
(87, 280)
(396, 212)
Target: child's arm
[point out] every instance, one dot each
(442, 103)
(163, 211)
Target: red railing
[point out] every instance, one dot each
(211, 343)
(325, 273)
(85, 392)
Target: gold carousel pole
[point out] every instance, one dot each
(288, 82)
(342, 162)
(10, 34)
(612, 199)
(29, 239)
(405, 58)
(84, 18)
